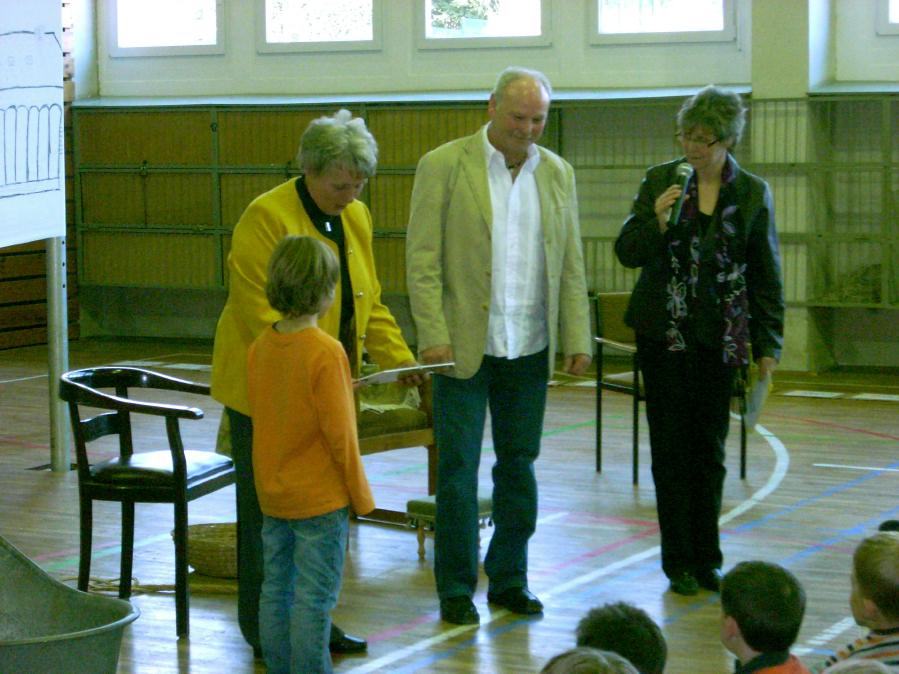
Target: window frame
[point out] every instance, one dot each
(375, 44)
(115, 51)
(727, 34)
(435, 43)
(884, 27)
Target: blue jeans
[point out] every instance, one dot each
(515, 391)
(303, 569)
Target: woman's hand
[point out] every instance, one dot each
(767, 365)
(663, 205)
(411, 379)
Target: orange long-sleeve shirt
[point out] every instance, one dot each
(306, 458)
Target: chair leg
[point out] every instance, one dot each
(84, 559)
(742, 446)
(635, 449)
(182, 590)
(127, 549)
(599, 416)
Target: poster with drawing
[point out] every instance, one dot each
(32, 170)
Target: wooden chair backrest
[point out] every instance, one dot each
(610, 317)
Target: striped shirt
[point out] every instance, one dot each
(882, 646)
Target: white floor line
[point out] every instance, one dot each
(782, 462)
(824, 636)
(14, 381)
(846, 467)
(551, 518)
(168, 355)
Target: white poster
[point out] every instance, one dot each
(32, 169)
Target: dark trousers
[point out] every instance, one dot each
(249, 531)
(515, 391)
(687, 404)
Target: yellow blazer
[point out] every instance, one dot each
(449, 253)
(268, 219)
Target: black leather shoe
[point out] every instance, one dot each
(459, 611)
(710, 579)
(685, 584)
(341, 642)
(517, 599)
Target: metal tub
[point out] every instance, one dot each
(47, 626)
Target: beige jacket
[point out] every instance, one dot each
(448, 253)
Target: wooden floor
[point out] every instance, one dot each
(823, 472)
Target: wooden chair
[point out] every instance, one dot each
(172, 475)
(612, 332)
(398, 429)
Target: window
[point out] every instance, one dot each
(483, 23)
(632, 21)
(317, 25)
(888, 17)
(166, 27)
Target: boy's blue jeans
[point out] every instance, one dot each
(303, 570)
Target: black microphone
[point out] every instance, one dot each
(682, 176)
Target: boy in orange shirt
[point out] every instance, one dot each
(762, 606)
(306, 461)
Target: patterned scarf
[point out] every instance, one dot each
(730, 282)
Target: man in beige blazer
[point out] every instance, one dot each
(496, 283)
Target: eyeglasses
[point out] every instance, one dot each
(687, 138)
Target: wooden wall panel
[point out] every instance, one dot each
(617, 136)
(131, 137)
(405, 134)
(262, 138)
(388, 199)
(150, 260)
(226, 250)
(239, 189)
(112, 199)
(178, 199)
(604, 272)
(390, 262)
(32, 264)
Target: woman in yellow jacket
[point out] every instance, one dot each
(337, 155)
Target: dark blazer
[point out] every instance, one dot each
(641, 244)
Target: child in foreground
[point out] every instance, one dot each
(762, 606)
(306, 461)
(874, 601)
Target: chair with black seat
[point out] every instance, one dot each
(173, 475)
(614, 333)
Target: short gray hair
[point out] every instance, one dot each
(515, 73)
(721, 112)
(339, 141)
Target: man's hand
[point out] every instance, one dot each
(442, 353)
(577, 364)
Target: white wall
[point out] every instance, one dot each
(570, 61)
(862, 56)
(84, 16)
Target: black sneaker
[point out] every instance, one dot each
(710, 579)
(684, 583)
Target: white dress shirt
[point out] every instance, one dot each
(517, 322)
